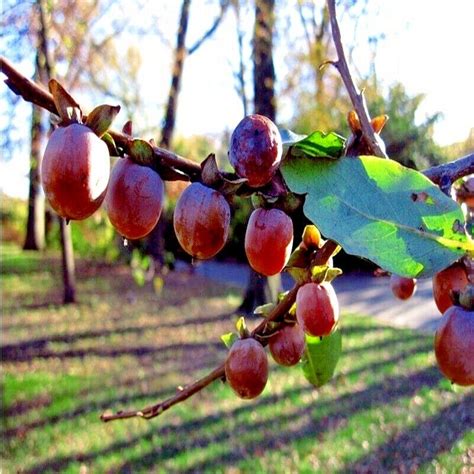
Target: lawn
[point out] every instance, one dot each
(121, 347)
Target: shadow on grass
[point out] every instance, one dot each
(317, 419)
(193, 364)
(31, 348)
(91, 407)
(28, 352)
(38, 348)
(407, 451)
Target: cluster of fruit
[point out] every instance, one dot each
(77, 179)
(202, 214)
(454, 339)
(75, 175)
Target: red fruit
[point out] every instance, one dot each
(287, 345)
(317, 308)
(134, 199)
(453, 278)
(403, 288)
(201, 221)
(75, 171)
(255, 149)
(268, 240)
(454, 345)
(246, 368)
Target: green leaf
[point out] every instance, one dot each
(110, 142)
(264, 310)
(100, 119)
(142, 152)
(380, 210)
(321, 357)
(289, 138)
(138, 276)
(241, 327)
(229, 338)
(319, 145)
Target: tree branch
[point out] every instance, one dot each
(357, 98)
(276, 315)
(447, 173)
(212, 29)
(35, 94)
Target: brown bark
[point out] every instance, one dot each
(69, 279)
(45, 69)
(264, 71)
(179, 55)
(35, 228)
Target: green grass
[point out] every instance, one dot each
(121, 347)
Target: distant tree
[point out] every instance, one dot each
(80, 51)
(317, 92)
(407, 140)
(460, 148)
(74, 52)
(155, 241)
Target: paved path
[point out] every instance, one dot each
(358, 293)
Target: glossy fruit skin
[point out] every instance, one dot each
(454, 345)
(75, 171)
(255, 149)
(453, 278)
(201, 221)
(246, 368)
(403, 288)
(134, 199)
(268, 240)
(317, 308)
(287, 345)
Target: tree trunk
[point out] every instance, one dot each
(44, 67)
(179, 55)
(260, 289)
(35, 227)
(264, 72)
(155, 243)
(69, 278)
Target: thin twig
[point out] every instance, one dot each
(357, 98)
(181, 395)
(448, 173)
(276, 315)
